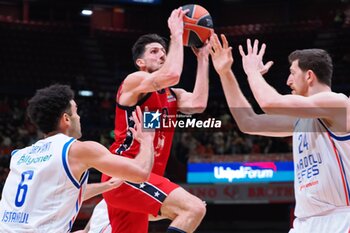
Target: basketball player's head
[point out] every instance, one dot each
(309, 66)
(53, 110)
(149, 52)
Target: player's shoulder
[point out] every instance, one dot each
(341, 98)
(133, 80)
(135, 77)
(334, 98)
(331, 94)
(340, 95)
(84, 148)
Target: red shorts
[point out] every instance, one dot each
(130, 204)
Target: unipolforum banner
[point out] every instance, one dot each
(240, 172)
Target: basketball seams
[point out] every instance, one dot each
(193, 11)
(203, 16)
(200, 35)
(197, 25)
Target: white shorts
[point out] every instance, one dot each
(337, 221)
(99, 222)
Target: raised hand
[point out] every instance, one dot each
(175, 21)
(221, 55)
(253, 60)
(202, 52)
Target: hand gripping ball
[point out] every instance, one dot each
(198, 25)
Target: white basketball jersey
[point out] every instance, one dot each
(322, 168)
(40, 194)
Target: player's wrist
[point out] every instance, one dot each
(253, 73)
(176, 36)
(203, 59)
(224, 72)
(147, 140)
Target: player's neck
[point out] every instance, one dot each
(51, 134)
(318, 89)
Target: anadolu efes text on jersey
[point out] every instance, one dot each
(322, 167)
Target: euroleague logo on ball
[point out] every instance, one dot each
(198, 25)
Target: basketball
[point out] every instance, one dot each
(198, 25)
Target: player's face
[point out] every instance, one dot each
(154, 57)
(74, 128)
(297, 80)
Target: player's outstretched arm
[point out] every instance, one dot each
(247, 120)
(320, 105)
(169, 74)
(93, 189)
(84, 155)
(196, 101)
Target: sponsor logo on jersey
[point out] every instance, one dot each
(169, 96)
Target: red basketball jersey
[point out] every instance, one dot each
(165, 102)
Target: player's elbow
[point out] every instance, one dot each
(143, 176)
(268, 106)
(199, 108)
(173, 78)
(244, 128)
(272, 105)
(248, 125)
(199, 104)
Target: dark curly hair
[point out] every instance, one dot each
(47, 106)
(138, 48)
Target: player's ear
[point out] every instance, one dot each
(311, 76)
(64, 120)
(140, 62)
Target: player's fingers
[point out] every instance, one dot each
(136, 116)
(249, 47)
(182, 12)
(268, 65)
(255, 46)
(211, 52)
(262, 50)
(194, 49)
(224, 41)
(213, 41)
(174, 13)
(208, 45)
(211, 32)
(133, 131)
(240, 48)
(140, 114)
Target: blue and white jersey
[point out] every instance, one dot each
(322, 169)
(41, 194)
